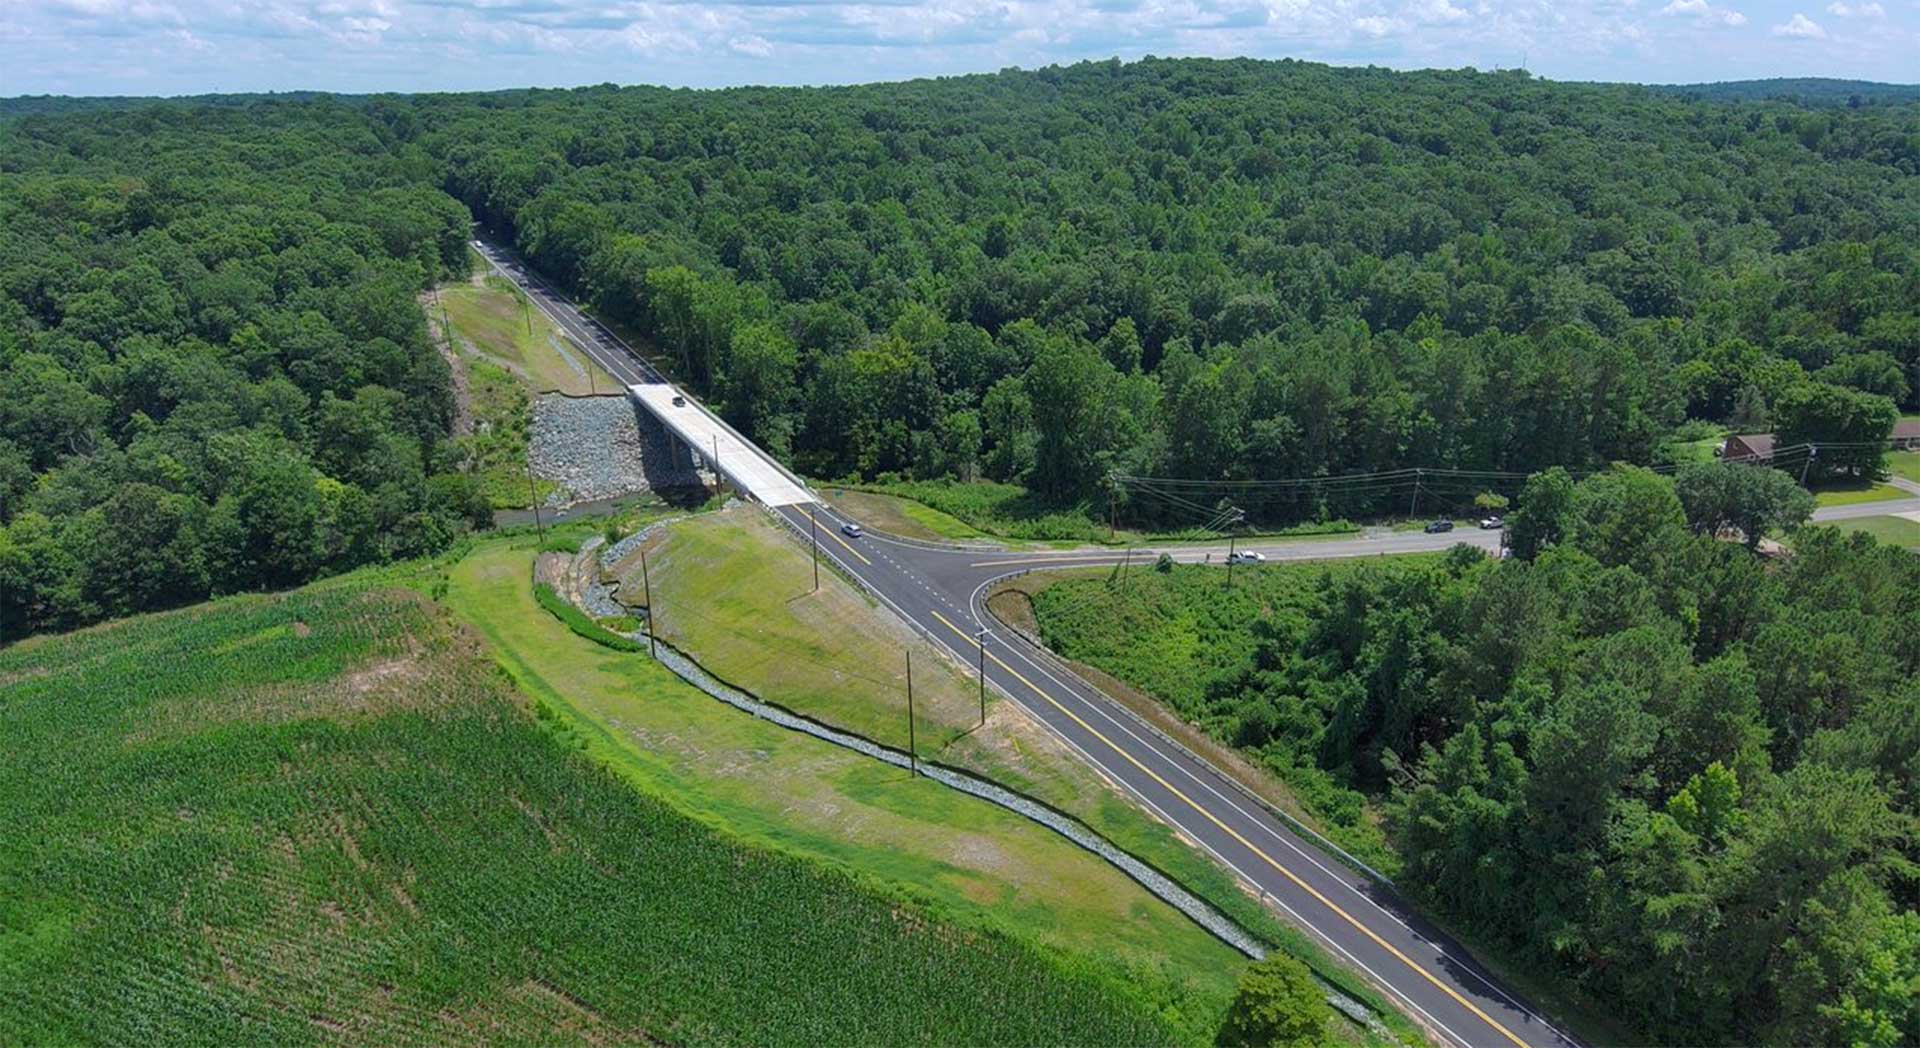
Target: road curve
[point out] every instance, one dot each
(941, 591)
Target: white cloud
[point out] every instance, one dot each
(187, 46)
(1800, 27)
(751, 46)
(1436, 11)
(1705, 13)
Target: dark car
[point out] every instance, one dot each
(1435, 527)
(852, 530)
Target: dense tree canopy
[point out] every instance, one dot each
(1226, 270)
(1215, 270)
(214, 375)
(1675, 773)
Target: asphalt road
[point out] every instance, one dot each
(1356, 917)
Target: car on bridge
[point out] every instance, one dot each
(852, 530)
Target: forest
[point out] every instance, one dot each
(1217, 271)
(1648, 761)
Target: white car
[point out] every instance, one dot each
(1247, 557)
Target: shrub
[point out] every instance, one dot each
(1278, 1004)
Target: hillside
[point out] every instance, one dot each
(1067, 281)
(324, 817)
(1652, 767)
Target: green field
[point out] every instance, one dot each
(1905, 464)
(1894, 531)
(325, 818)
(1856, 493)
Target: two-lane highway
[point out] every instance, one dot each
(942, 590)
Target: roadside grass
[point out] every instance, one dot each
(955, 854)
(736, 593)
(325, 818)
(1891, 530)
(1854, 493)
(899, 516)
(490, 317)
(1905, 464)
(1008, 511)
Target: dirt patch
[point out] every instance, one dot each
(1014, 608)
(18, 676)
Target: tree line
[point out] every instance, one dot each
(214, 374)
(1636, 756)
(1216, 270)
(1223, 270)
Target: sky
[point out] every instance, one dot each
(170, 47)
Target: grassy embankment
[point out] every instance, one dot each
(954, 510)
(325, 817)
(733, 591)
(963, 859)
(506, 352)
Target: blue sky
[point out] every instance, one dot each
(193, 46)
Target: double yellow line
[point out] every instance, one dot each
(834, 534)
(1250, 846)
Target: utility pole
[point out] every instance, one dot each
(981, 642)
(1125, 564)
(1813, 450)
(646, 580)
(1237, 517)
(1413, 510)
(913, 759)
(813, 537)
(1112, 520)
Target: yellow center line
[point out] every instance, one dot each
(1249, 845)
(835, 536)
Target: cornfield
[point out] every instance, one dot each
(324, 817)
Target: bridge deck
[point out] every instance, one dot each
(743, 463)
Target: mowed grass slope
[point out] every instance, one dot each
(961, 856)
(735, 592)
(490, 317)
(326, 817)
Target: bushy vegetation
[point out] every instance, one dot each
(322, 818)
(580, 622)
(214, 375)
(1669, 771)
(1222, 270)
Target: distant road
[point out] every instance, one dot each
(942, 591)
